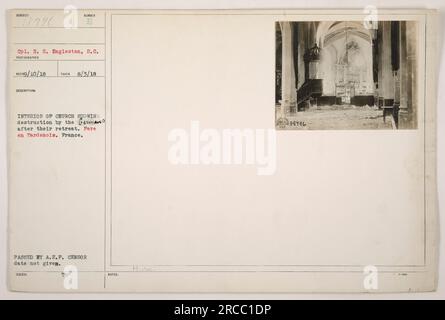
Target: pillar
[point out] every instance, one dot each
(386, 78)
(404, 81)
(411, 69)
(288, 89)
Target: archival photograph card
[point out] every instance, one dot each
(222, 150)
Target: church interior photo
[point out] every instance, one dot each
(346, 75)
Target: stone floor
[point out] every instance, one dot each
(337, 118)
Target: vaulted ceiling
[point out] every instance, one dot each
(329, 31)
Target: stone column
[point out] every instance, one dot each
(395, 60)
(288, 89)
(386, 78)
(403, 67)
(411, 69)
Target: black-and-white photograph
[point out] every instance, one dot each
(346, 75)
